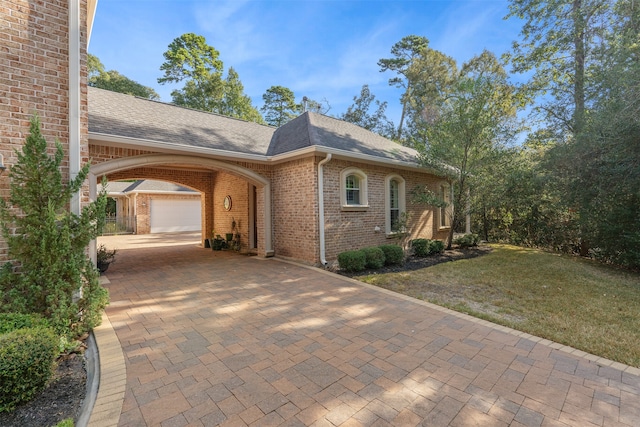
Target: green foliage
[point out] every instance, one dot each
(426, 247)
(13, 321)
(65, 423)
(467, 241)
(436, 247)
(359, 114)
(393, 254)
(190, 59)
(374, 256)
(352, 261)
(26, 364)
(114, 81)
(279, 105)
(53, 275)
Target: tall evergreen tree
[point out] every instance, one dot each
(52, 274)
(279, 105)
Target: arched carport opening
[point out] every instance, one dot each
(176, 168)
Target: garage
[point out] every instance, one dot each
(170, 216)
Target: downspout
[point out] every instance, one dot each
(74, 100)
(321, 207)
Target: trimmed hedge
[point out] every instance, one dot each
(13, 321)
(436, 247)
(374, 257)
(467, 241)
(352, 260)
(393, 254)
(27, 359)
(424, 247)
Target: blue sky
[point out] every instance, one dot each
(322, 49)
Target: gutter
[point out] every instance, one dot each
(321, 208)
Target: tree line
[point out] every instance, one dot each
(571, 183)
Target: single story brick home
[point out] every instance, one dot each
(308, 190)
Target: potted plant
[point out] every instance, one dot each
(104, 257)
(218, 243)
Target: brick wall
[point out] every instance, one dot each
(295, 210)
(34, 77)
(238, 189)
(345, 230)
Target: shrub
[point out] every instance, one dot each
(51, 245)
(436, 247)
(393, 254)
(27, 358)
(420, 247)
(12, 321)
(374, 257)
(352, 260)
(425, 247)
(467, 241)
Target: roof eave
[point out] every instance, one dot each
(166, 147)
(144, 144)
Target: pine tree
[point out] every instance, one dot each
(51, 273)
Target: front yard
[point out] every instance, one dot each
(572, 301)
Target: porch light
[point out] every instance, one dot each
(2, 166)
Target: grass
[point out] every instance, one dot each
(572, 301)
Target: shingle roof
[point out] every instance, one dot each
(120, 115)
(312, 129)
(145, 185)
(128, 116)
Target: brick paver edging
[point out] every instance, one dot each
(113, 375)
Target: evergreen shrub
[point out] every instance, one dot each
(27, 358)
(467, 241)
(11, 321)
(352, 260)
(374, 257)
(393, 254)
(420, 247)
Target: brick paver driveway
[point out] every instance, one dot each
(217, 338)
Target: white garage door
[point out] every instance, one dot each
(169, 216)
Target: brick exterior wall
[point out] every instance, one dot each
(238, 189)
(295, 210)
(346, 230)
(34, 77)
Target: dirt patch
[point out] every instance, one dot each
(62, 399)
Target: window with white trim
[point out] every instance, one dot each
(353, 189)
(395, 200)
(446, 210)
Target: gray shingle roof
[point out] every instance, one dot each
(120, 115)
(127, 116)
(311, 129)
(146, 185)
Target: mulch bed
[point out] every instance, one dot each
(62, 399)
(416, 263)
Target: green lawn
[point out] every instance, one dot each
(569, 300)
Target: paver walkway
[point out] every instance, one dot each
(214, 338)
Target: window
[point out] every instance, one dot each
(445, 211)
(353, 189)
(352, 185)
(394, 203)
